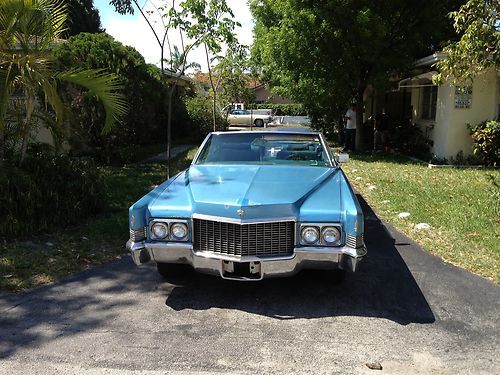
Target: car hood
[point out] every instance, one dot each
(262, 192)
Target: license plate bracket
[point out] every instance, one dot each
(241, 270)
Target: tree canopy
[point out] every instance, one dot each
(28, 31)
(83, 17)
(144, 90)
(478, 24)
(325, 53)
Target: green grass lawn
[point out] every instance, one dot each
(98, 240)
(462, 206)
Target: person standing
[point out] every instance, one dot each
(350, 129)
(380, 132)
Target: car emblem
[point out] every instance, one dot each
(240, 212)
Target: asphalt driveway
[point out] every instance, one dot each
(405, 309)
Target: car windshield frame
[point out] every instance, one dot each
(275, 136)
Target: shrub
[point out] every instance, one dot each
(200, 121)
(46, 192)
(409, 139)
(486, 137)
(283, 109)
(145, 93)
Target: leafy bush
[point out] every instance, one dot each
(45, 192)
(486, 137)
(409, 139)
(459, 159)
(145, 92)
(200, 121)
(283, 109)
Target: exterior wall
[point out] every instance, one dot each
(451, 133)
(449, 130)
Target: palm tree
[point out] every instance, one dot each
(28, 31)
(176, 62)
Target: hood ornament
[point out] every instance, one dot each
(240, 212)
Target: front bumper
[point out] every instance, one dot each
(223, 265)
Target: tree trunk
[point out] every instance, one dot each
(214, 89)
(30, 106)
(2, 145)
(360, 134)
(24, 143)
(214, 109)
(169, 125)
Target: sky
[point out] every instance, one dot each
(133, 30)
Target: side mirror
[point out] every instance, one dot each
(343, 158)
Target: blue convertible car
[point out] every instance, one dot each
(252, 205)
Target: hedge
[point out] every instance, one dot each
(46, 192)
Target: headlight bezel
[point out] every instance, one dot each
(170, 223)
(172, 228)
(321, 228)
(310, 228)
(329, 228)
(159, 224)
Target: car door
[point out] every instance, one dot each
(246, 118)
(233, 117)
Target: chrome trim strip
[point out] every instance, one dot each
(355, 242)
(197, 155)
(131, 245)
(240, 259)
(267, 132)
(326, 149)
(169, 245)
(137, 235)
(242, 221)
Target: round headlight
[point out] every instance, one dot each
(160, 231)
(330, 235)
(310, 235)
(179, 231)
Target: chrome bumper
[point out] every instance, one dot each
(223, 265)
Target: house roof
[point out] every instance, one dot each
(420, 80)
(430, 60)
(204, 79)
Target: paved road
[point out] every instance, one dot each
(405, 309)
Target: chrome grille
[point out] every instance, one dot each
(353, 241)
(137, 234)
(262, 240)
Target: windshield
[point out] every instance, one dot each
(259, 148)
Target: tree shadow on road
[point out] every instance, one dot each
(83, 302)
(383, 287)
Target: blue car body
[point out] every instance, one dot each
(230, 208)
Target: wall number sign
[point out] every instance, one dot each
(463, 96)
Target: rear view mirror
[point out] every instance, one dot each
(343, 158)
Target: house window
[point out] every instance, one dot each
(429, 101)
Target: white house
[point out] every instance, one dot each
(442, 112)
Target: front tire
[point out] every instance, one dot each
(259, 123)
(172, 270)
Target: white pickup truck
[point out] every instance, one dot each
(249, 117)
